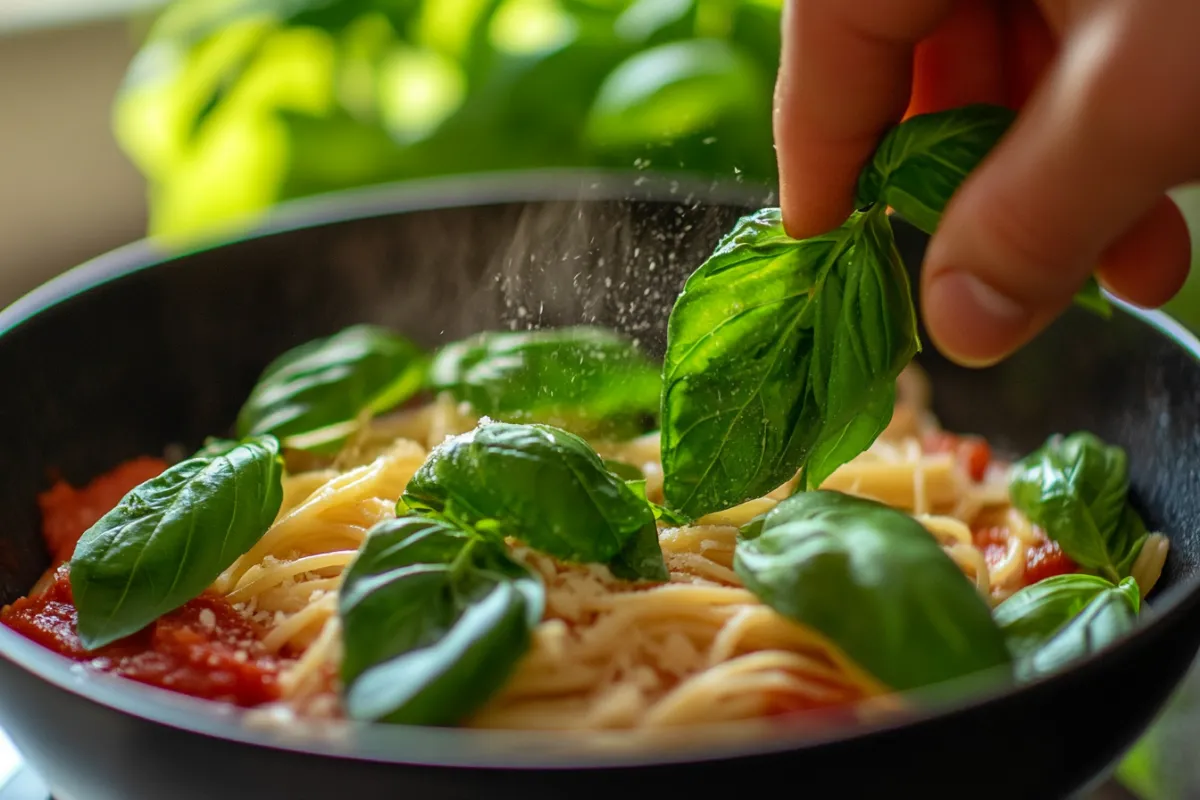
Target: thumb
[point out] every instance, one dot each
(1076, 185)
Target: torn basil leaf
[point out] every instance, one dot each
(312, 396)
(591, 381)
(169, 538)
(1108, 616)
(1076, 489)
(777, 349)
(434, 620)
(535, 483)
(875, 583)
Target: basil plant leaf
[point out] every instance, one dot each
(1110, 615)
(312, 396)
(589, 380)
(170, 537)
(434, 620)
(538, 484)
(875, 583)
(1076, 489)
(1032, 615)
(778, 349)
(921, 162)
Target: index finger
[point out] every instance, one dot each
(845, 76)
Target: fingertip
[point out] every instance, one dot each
(970, 322)
(1149, 264)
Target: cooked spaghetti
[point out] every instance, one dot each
(608, 653)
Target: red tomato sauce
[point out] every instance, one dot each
(205, 648)
(1043, 560)
(67, 512)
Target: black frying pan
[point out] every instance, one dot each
(135, 350)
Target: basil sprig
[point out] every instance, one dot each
(781, 354)
(434, 620)
(874, 582)
(170, 537)
(545, 487)
(592, 381)
(312, 395)
(1065, 618)
(1076, 489)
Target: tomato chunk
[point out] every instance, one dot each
(67, 512)
(1043, 559)
(204, 649)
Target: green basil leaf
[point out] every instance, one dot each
(434, 620)
(874, 582)
(311, 396)
(589, 380)
(865, 334)
(170, 537)
(541, 485)
(1034, 614)
(921, 162)
(1108, 617)
(774, 348)
(1076, 489)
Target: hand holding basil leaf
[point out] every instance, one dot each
(434, 620)
(874, 582)
(777, 348)
(1076, 489)
(170, 537)
(589, 380)
(782, 354)
(311, 396)
(541, 485)
(1060, 620)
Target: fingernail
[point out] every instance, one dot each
(971, 322)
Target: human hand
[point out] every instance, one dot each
(1109, 99)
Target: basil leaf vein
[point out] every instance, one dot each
(434, 621)
(311, 397)
(170, 537)
(875, 583)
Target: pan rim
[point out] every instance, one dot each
(484, 749)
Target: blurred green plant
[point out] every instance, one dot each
(233, 105)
